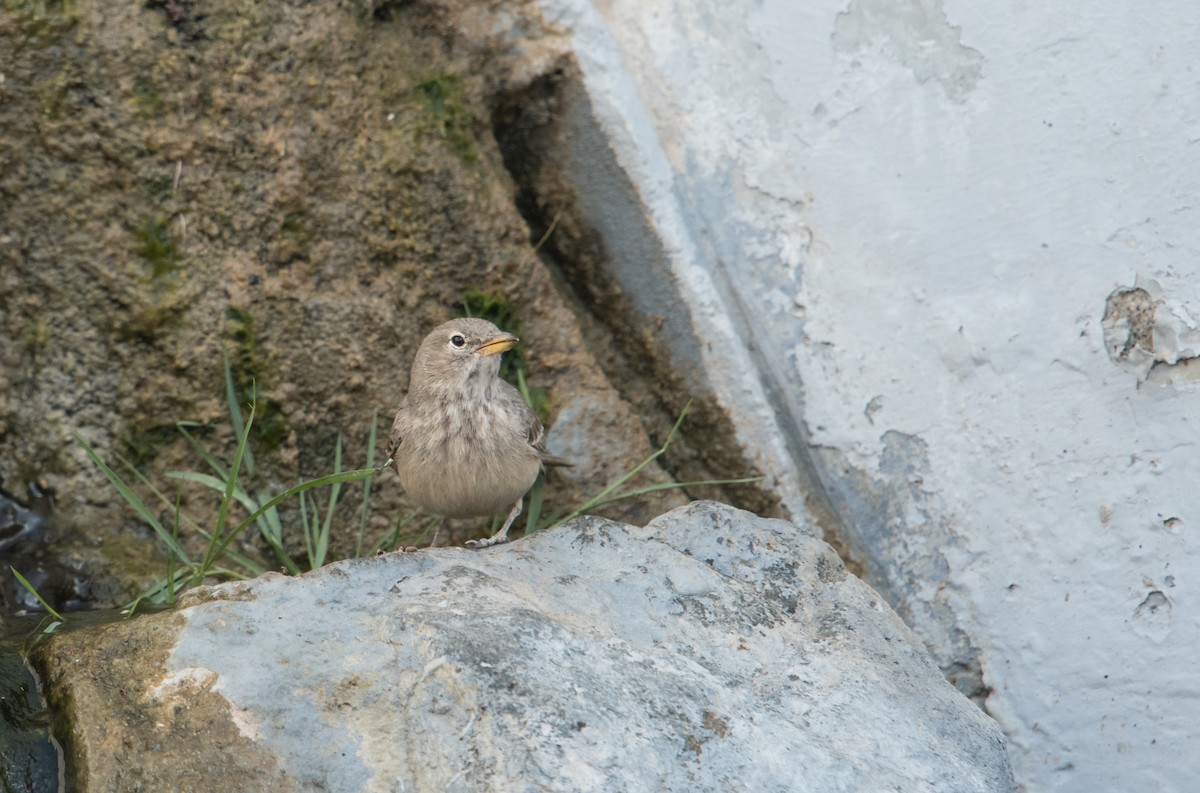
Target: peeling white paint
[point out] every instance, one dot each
(924, 209)
(918, 35)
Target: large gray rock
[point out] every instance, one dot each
(710, 650)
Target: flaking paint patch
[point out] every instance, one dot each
(1152, 618)
(1150, 336)
(893, 525)
(918, 35)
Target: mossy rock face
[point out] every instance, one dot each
(449, 116)
(306, 188)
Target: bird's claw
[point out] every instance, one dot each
(487, 543)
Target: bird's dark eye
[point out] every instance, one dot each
(458, 341)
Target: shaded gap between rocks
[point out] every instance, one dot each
(634, 322)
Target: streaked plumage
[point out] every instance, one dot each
(464, 442)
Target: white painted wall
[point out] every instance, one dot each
(918, 211)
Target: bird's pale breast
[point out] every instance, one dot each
(466, 459)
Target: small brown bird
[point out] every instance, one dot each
(464, 442)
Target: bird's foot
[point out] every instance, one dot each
(500, 536)
(487, 543)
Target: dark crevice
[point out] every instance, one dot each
(544, 132)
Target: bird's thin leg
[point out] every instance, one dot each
(502, 535)
(438, 530)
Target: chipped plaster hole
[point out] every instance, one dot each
(1154, 601)
(1152, 617)
(1149, 337)
(1128, 323)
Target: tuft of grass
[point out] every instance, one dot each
(158, 247)
(220, 561)
(248, 370)
(36, 334)
(447, 113)
(40, 24)
(295, 237)
(365, 509)
(146, 99)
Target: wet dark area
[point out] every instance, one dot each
(28, 537)
(30, 761)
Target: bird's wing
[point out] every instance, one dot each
(536, 434)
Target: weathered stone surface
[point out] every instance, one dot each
(710, 650)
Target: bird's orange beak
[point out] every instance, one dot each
(498, 344)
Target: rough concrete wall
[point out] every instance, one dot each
(959, 244)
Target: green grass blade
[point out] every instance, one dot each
(161, 591)
(641, 491)
(523, 388)
(29, 588)
(134, 501)
(392, 536)
(534, 512)
(549, 231)
(307, 529)
(269, 524)
(366, 500)
(603, 495)
(229, 573)
(208, 480)
(281, 554)
(328, 479)
(198, 447)
(171, 556)
(217, 484)
(334, 492)
(219, 540)
(157, 493)
(322, 542)
(235, 408)
(250, 567)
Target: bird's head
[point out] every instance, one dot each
(460, 354)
